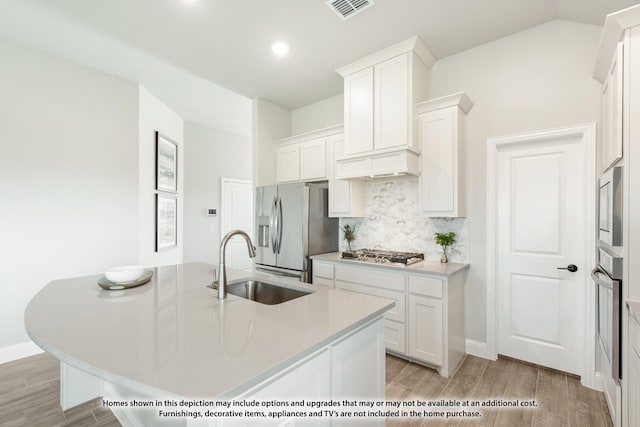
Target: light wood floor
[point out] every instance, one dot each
(562, 400)
(30, 389)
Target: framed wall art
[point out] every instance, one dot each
(166, 221)
(166, 164)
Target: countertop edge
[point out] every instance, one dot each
(102, 373)
(226, 395)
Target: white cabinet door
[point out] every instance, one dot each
(612, 111)
(313, 160)
(425, 329)
(322, 273)
(395, 336)
(634, 388)
(391, 106)
(358, 114)
(288, 163)
(346, 198)
(442, 179)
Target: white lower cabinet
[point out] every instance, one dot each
(634, 389)
(395, 336)
(427, 322)
(634, 372)
(425, 338)
(322, 274)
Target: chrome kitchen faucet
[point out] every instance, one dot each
(222, 279)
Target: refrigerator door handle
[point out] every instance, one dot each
(272, 224)
(279, 228)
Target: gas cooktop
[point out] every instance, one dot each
(383, 257)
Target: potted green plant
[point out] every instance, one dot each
(445, 240)
(349, 234)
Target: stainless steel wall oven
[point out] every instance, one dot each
(608, 278)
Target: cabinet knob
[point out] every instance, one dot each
(571, 267)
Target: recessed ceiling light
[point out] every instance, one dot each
(280, 48)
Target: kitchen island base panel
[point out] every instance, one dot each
(77, 387)
(350, 367)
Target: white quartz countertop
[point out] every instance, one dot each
(425, 267)
(173, 336)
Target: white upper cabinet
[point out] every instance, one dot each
(391, 116)
(346, 198)
(380, 94)
(288, 163)
(313, 160)
(304, 157)
(442, 124)
(358, 111)
(612, 111)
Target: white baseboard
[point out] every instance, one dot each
(18, 351)
(597, 382)
(477, 348)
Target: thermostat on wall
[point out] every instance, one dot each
(211, 212)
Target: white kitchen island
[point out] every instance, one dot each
(173, 339)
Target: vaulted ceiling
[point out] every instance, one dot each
(227, 42)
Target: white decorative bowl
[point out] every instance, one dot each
(124, 274)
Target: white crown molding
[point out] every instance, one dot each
(460, 99)
(414, 44)
(315, 134)
(614, 28)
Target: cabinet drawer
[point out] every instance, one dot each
(397, 313)
(423, 285)
(372, 276)
(395, 336)
(322, 269)
(321, 281)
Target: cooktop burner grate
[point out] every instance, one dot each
(383, 256)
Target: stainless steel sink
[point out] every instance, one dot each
(263, 292)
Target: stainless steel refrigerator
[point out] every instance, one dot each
(292, 223)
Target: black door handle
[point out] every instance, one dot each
(571, 267)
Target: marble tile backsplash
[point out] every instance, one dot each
(392, 222)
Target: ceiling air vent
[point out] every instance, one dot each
(348, 8)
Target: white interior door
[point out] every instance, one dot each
(541, 223)
(236, 212)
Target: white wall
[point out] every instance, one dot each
(537, 79)
(321, 114)
(68, 179)
(154, 115)
(270, 123)
(209, 154)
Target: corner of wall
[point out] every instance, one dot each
(154, 115)
(271, 122)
